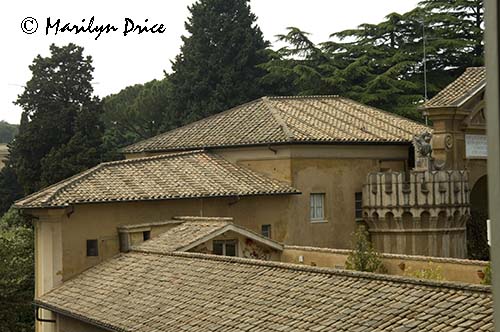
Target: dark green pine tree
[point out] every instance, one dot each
(218, 64)
(60, 131)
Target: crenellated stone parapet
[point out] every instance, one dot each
(418, 213)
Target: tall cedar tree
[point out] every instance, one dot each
(217, 66)
(60, 131)
(381, 64)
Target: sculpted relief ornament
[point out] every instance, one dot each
(423, 151)
(422, 144)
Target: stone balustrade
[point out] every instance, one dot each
(419, 213)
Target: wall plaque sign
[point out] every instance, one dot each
(476, 146)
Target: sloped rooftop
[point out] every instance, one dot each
(145, 291)
(473, 79)
(192, 174)
(196, 230)
(285, 120)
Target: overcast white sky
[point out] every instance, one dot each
(120, 60)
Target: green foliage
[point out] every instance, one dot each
(7, 132)
(431, 272)
(10, 189)
(217, 66)
(381, 64)
(16, 274)
(60, 132)
(363, 257)
(14, 219)
(135, 113)
(487, 275)
(477, 238)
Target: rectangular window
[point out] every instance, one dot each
(146, 235)
(266, 230)
(225, 248)
(218, 247)
(358, 205)
(317, 207)
(92, 248)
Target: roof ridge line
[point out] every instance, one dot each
(346, 132)
(389, 113)
(160, 156)
(358, 105)
(281, 122)
(325, 270)
(302, 96)
(122, 150)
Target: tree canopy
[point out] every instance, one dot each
(382, 64)
(60, 132)
(217, 66)
(135, 113)
(7, 132)
(16, 274)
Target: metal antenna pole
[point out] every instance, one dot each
(424, 60)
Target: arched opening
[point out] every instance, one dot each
(479, 196)
(477, 241)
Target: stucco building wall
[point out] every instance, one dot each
(67, 324)
(451, 269)
(338, 171)
(61, 237)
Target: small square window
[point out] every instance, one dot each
(358, 205)
(146, 235)
(92, 248)
(317, 206)
(225, 248)
(266, 230)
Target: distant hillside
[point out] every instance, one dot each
(7, 131)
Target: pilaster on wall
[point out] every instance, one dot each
(419, 213)
(48, 258)
(448, 140)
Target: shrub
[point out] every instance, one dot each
(431, 273)
(487, 275)
(363, 257)
(16, 274)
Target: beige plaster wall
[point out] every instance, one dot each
(339, 171)
(100, 221)
(66, 324)
(339, 179)
(459, 270)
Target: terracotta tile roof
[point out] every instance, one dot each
(196, 230)
(460, 89)
(283, 120)
(149, 292)
(175, 176)
(183, 235)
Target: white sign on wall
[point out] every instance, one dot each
(476, 146)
